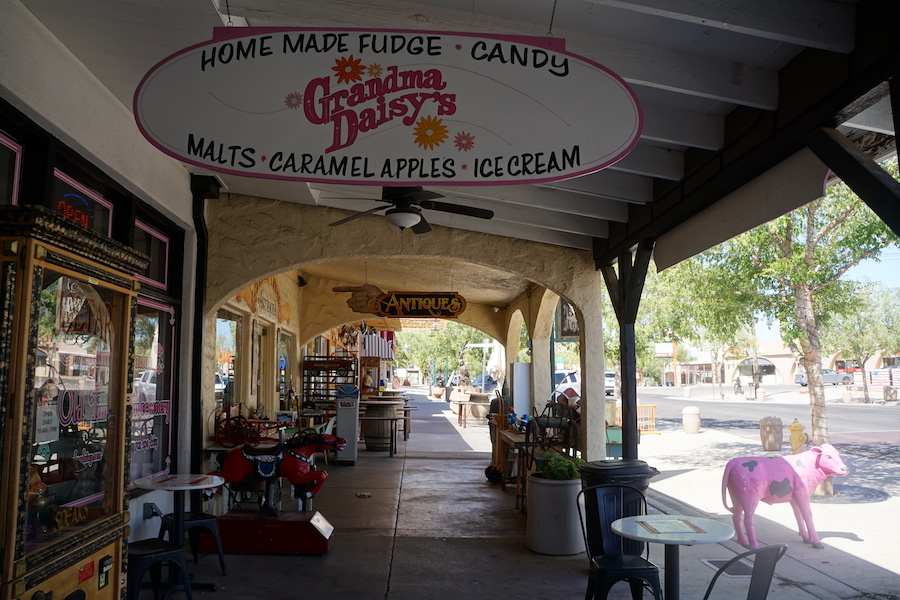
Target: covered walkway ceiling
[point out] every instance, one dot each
(729, 89)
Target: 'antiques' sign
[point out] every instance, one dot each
(431, 305)
(387, 107)
(421, 304)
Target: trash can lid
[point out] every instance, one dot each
(628, 466)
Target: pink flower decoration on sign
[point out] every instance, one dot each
(293, 100)
(464, 141)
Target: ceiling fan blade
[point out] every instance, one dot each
(469, 211)
(359, 214)
(412, 194)
(421, 227)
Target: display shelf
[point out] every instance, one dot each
(323, 379)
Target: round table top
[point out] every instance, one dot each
(179, 481)
(673, 529)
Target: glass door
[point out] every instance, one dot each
(152, 389)
(75, 436)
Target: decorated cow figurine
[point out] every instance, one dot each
(291, 460)
(791, 478)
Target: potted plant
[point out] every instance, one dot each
(553, 526)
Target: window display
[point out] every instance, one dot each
(74, 430)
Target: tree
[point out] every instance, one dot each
(872, 326)
(700, 301)
(795, 264)
(434, 349)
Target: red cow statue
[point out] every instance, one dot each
(291, 460)
(791, 478)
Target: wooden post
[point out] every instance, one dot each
(625, 291)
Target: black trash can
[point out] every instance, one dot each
(636, 473)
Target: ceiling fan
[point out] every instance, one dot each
(404, 208)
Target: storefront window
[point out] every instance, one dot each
(78, 204)
(152, 389)
(156, 246)
(286, 384)
(73, 435)
(228, 336)
(10, 165)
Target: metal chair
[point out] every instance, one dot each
(149, 555)
(612, 557)
(327, 429)
(194, 523)
(763, 570)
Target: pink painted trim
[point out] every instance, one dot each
(18, 167)
(85, 500)
(156, 305)
(91, 194)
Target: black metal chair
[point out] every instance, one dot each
(194, 524)
(764, 562)
(612, 557)
(149, 555)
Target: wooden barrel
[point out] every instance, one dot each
(377, 434)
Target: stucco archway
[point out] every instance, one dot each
(253, 238)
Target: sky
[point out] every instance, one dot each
(886, 271)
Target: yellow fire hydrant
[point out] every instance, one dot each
(798, 438)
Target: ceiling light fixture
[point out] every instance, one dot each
(403, 217)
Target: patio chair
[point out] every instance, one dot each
(612, 557)
(763, 570)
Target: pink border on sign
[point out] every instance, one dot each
(18, 166)
(164, 284)
(90, 194)
(556, 44)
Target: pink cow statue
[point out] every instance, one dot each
(791, 478)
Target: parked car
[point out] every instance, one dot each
(610, 378)
(145, 386)
(566, 379)
(457, 380)
(828, 376)
(489, 383)
(219, 387)
(567, 376)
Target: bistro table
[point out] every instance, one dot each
(179, 483)
(673, 531)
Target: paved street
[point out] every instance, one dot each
(871, 430)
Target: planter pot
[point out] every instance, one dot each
(553, 526)
(437, 392)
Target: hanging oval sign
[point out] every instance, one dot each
(387, 107)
